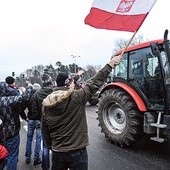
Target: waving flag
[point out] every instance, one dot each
(122, 15)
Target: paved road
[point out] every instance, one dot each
(146, 155)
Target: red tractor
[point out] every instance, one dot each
(137, 100)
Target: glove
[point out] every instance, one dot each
(115, 61)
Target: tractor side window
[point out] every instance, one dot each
(121, 69)
(136, 60)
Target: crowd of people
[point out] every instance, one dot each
(55, 113)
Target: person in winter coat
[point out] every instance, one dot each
(34, 125)
(38, 96)
(11, 84)
(11, 122)
(64, 125)
(13, 91)
(18, 112)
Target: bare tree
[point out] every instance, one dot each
(121, 42)
(28, 74)
(49, 69)
(36, 74)
(90, 71)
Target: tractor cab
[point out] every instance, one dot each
(145, 68)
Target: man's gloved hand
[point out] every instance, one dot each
(115, 60)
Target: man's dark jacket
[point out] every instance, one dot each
(37, 100)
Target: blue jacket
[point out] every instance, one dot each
(13, 91)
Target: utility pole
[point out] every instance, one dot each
(35, 71)
(74, 62)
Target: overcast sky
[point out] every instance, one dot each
(37, 32)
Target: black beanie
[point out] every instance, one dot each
(61, 78)
(46, 79)
(9, 80)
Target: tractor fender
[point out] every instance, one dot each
(138, 100)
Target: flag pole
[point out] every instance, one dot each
(128, 43)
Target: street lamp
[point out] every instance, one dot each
(75, 62)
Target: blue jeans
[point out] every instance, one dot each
(32, 126)
(45, 157)
(74, 160)
(12, 145)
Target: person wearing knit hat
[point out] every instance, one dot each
(34, 128)
(61, 79)
(46, 79)
(64, 79)
(9, 80)
(13, 91)
(13, 142)
(64, 123)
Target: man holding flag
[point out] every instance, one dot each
(64, 124)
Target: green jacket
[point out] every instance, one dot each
(64, 125)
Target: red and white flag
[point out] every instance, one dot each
(121, 15)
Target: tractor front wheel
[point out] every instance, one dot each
(119, 118)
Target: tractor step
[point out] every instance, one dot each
(158, 125)
(160, 140)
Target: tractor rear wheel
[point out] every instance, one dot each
(119, 118)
